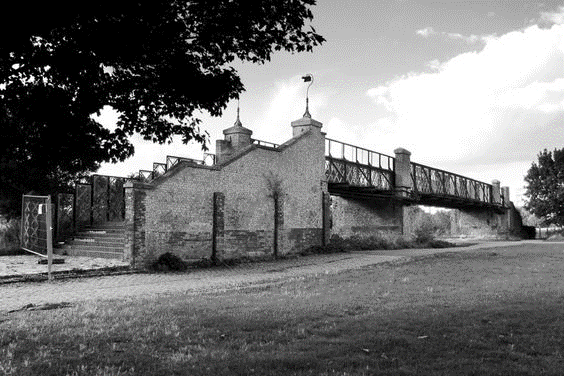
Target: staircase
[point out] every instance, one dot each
(104, 240)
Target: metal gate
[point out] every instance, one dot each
(95, 200)
(99, 199)
(34, 224)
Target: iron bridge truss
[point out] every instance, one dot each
(353, 171)
(432, 186)
(358, 172)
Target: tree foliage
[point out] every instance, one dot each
(545, 187)
(158, 63)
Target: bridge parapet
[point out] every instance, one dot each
(433, 185)
(355, 171)
(348, 166)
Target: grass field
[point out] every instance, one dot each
(489, 312)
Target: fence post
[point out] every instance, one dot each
(49, 229)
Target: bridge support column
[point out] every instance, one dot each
(404, 187)
(496, 192)
(511, 222)
(403, 182)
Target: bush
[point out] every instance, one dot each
(336, 245)
(424, 238)
(424, 230)
(169, 262)
(9, 235)
(529, 232)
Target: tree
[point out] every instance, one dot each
(545, 187)
(158, 63)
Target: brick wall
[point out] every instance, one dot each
(480, 223)
(364, 217)
(228, 211)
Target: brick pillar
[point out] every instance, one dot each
(326, 224)
(218, 226)
(496, 193)
(402, 169)
(279, 226)
(134, 247)
(505, 193)
(507, 203)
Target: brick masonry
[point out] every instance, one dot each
(364, 217)
(228, 210)
(262, 201)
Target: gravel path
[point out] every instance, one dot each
(17, 295)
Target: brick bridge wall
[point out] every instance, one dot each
(228, 211)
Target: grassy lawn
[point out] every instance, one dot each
(490, 312)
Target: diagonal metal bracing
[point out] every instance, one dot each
(436, 185)
(355, 171)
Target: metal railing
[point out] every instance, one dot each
(160, 169)
(356, 166)
(431, 181)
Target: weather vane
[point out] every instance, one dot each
(307, 78)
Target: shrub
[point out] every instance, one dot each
(169, 262)
(529, 232)
(386, 241)
(10, 235)
(424, 230)
(335, 245)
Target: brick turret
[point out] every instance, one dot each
(236, 138)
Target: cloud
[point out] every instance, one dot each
(426, 32)
(470, 39)
(502, 104)
(553, 17)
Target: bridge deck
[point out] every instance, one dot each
(357, 172)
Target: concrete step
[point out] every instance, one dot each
(101, 230)
(108, 224)
(101, 254)
(97, 248)
(100, 240)
(102, 237)
(104, 242)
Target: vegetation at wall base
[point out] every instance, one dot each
(168, 262)
(423, 237)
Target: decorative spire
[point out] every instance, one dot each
(307, 78)
(238, 121)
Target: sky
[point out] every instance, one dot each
(475, 87)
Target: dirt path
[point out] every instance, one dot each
(16, 295)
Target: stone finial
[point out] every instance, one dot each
(238, 121)
(402, 151)
(235, 138)
(238, 136)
